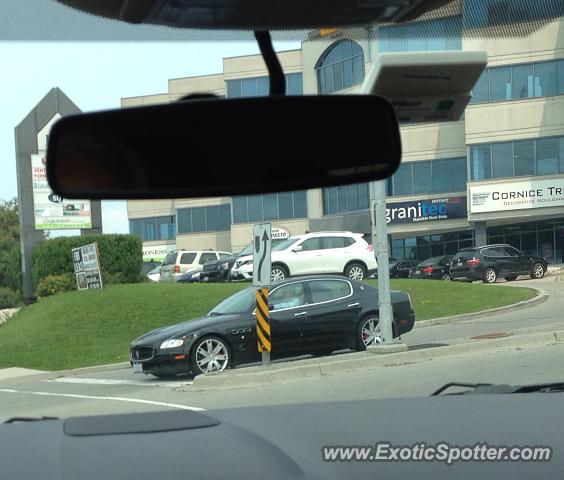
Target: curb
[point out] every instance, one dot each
(261, 377)
(49, 375)
(538, 299)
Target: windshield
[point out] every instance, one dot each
(284, 244)
(80, 282)
(241, 302)
(248, 250)
(431, 261)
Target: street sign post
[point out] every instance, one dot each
(262, 236)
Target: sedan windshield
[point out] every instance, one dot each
(241, 302)
(431, 261)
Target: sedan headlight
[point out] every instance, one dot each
(173, 343)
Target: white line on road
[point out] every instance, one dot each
(106, 381)
(114, 399)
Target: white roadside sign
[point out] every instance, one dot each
(87, 266)
(536, 193)
(51, 211)
(262, 237)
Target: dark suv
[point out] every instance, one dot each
(489, 262)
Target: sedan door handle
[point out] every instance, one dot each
(300, 314)
(355, 304)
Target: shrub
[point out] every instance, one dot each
(120, 257)
(10, 264)
(53, 284)
(9, 298)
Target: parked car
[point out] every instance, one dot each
(489, 262)
(435, 268)
(314, 253)
(155, 275)
(308, 315)
(220, 270)
(152, 270)
(191, 276)
(402, 268)
(180, 261)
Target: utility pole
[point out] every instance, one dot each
(382, 257)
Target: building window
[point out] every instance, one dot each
(346, 198)
(442, 34)
(516, 82)
(543, 156)
(260, 86)
(215, 218)
(430, 176)
(426, 246)
(154, 228)
(544, 238)
(499, 13)
(272, 206)
(340, 67)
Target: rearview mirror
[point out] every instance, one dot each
(297, 248)
(216, 147)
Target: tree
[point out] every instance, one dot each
(9, 220)
(10, 257)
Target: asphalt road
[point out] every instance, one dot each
(538, 317)
(118, 391)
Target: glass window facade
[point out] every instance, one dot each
(346, 198)
(426, 246)
(442, 34)
(497, 13)
(340, 67)
(215, 218)
(516, 82)
(154, 228)
(272, 206)
(544, 238)
(541, 156)
(430, 176)
(260, 86)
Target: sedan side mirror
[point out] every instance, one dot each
(297, 248)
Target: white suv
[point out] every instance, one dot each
(180, 261)
(322, 252)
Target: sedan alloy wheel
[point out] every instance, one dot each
(370, 332)
(211, 355)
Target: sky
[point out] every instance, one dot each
(95, 76)
(96, 62)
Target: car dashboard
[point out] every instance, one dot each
(286, 441)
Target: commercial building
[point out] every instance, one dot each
(497, 175)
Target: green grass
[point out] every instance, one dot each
(78, 329)
(435, 299)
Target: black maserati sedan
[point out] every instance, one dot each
(308, 315)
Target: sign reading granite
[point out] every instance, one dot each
(426, 210)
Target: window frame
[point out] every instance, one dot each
(305, 296)
(350, 294)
